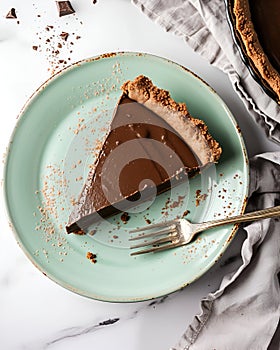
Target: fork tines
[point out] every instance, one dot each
(164, 239)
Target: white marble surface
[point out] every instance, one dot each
(35, 312)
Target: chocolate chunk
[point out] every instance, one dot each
(11, 13)
(94, 2)
(64, 35)
(35, 47)
(65, 8)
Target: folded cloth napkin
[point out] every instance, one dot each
(244, 312)
(203, 25)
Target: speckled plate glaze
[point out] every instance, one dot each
(55, 142)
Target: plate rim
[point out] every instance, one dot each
(20, 119)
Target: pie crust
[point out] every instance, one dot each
(193, 131)
(254, 50)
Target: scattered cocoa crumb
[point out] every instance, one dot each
(91, 257)
(80, 232)
(177, 203)
(115, 237)
(125, 217)
(12, 13)
(64, 35)
(94, 2)
(92, 232)
(199, 197)
(186, 212)
(48, 28)
(78, 37)
(148, 221)
(35, 47)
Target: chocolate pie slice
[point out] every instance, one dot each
(153, 143)
(258, 25)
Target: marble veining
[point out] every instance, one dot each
(80, 331)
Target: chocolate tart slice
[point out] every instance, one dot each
(258, 25)
(153, 143)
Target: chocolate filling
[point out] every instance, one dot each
(139, 146)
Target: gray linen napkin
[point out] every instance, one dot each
(203, 25)
(244, 312)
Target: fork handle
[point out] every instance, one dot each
(255, 215)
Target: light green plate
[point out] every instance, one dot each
(53, 145)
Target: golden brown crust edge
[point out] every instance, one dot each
(254, 50)
(142, 89)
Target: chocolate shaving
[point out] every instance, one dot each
(11, 13)
(65, 8)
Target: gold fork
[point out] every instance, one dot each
(176, 233)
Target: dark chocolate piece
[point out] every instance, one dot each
(12, 13)
(65, 8)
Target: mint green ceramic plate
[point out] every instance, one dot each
(57, 139)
